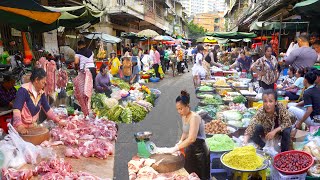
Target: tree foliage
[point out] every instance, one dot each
(196, 31)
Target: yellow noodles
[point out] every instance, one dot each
(243, 158)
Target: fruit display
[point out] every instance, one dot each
(293, 162)
(221, 82)
(216, 127)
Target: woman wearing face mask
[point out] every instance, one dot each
(193, 139)
(30, 100)
(270, 121)
(267, 69)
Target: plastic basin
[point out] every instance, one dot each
(293, 172)
(154, 79)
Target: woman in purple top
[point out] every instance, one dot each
(102, 82)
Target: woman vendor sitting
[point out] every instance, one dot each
(103, 84)
(271, 120)
(30, 100)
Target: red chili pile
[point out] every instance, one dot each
(292, 162)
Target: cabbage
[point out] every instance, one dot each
(246, 122)
(235, 123)
(232, 115)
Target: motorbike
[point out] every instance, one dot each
(16, 69)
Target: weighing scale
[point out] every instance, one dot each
(145, 146)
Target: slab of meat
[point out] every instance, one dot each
(51, 78)
(83, 90)
(147, 173)
(51, 143)
(72, 152)
(42, 63)
(12, 174)
(96, 148)
(53, 166)
(62, 79)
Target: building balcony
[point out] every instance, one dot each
(130, 7)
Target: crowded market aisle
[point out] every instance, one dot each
(163, 121)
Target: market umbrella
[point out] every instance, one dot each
(309, 8)
(148, 33)
(206, 38)
(104, 37)
(163, 38)
(25, 13)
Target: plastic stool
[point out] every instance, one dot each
(213, 156)
(245, 175)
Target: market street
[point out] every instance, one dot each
(163, 121)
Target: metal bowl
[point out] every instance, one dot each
(143, 135)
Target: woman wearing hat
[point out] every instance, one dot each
(114, 64)
(127, 67)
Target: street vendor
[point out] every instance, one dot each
(308, 110)
(114, 64)
(267, 69)
(84, 58)
(7, 92)
(192, 139)
(243, 62)
(29, 101)
(103, 82)
(270, 120)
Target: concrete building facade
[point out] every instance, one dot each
(212, 22)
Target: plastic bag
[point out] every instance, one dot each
(29, 151)
(269, 148)
(11, 156)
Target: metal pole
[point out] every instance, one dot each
(280, 35)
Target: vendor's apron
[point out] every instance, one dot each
(198, 159)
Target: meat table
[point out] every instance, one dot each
(102, 168)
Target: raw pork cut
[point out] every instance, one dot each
(62, 79)
(53, 166)
(12, 174)
(51, 78)
(83, 90)
(96, 148)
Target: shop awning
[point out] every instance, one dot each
(104, 37)
(264, 26)
(308, 8)
(71, 17)
(232, 35)
(206, 39)
(132, 36)
(26, 13)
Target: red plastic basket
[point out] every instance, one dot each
(293, 172)
(4, 120)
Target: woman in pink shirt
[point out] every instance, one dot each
(29, 101)
(156, 61)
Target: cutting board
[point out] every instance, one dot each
(166, 163)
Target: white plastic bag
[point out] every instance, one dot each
(269, 148)
(12, 157)
(29, 151)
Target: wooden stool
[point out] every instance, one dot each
(245, 175)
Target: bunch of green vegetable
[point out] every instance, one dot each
(121, 84)
(151, 98)
(99, 101)
(114, 113)
(213, 100)
(205, 88)
(138, 112)
(70, 110)
(220, 142)
(126, 115)
(69, 86)
(239, 99)
(210, 109)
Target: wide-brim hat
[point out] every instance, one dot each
(113, 52)
(126, 56)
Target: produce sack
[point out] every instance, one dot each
(269, 148)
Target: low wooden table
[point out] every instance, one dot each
(102, 168)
